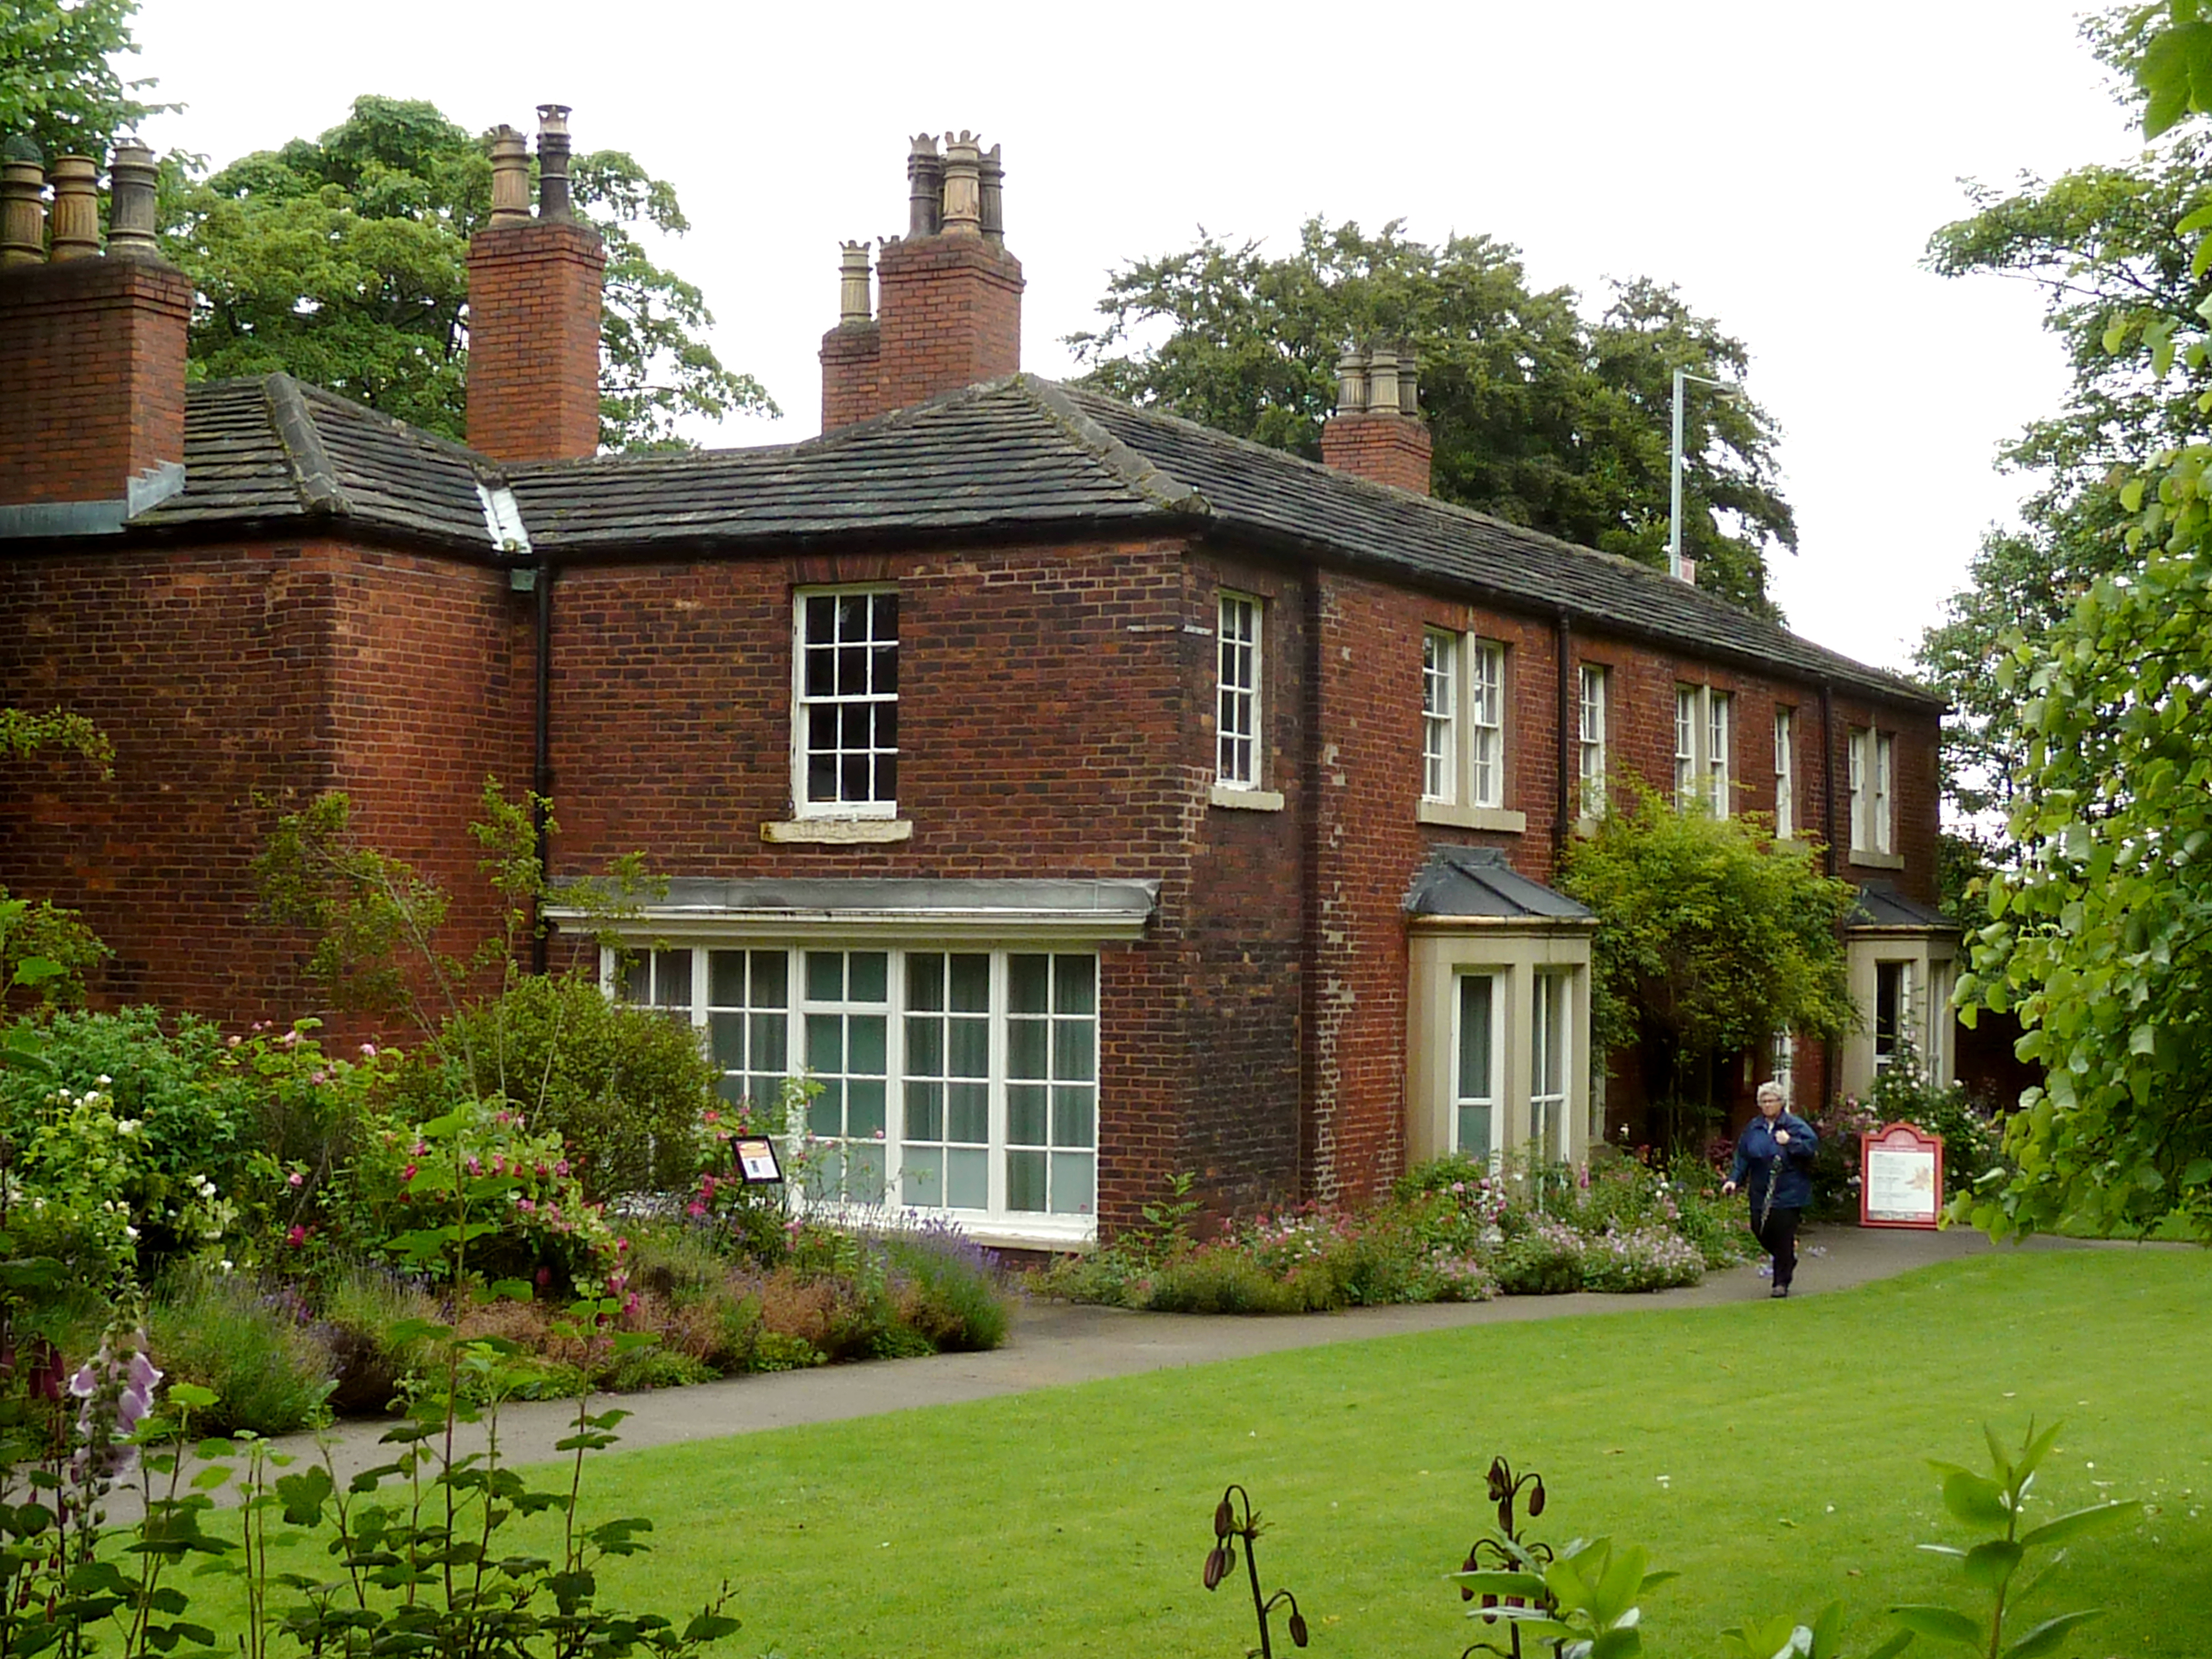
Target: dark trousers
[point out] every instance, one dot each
(1778, 1236)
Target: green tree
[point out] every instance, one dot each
(59, 84)
(343, 260)
(1539, 415)
(1711, 936)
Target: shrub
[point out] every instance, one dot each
(1546, 1258)
(624, 1087)
(947, 1289)
(362, 1304)
(1644, 1259)
(252, 1339)
(1220, 1279)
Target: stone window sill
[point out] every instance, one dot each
(1246, 800)
(1472, 818)
(839, 832)
(1867, 860)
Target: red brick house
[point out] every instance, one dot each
(1082, 796)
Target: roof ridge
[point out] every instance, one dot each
(313, 477)
(1140, 472)
(1414, 500)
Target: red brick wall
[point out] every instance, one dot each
(235, 682)
(850, 387)
(534, 340)
(1389, 449)
(950, 314)
(92, 377)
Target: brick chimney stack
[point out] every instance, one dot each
(91, 348)
(534, 293)
(1377, 430)
(949, 295)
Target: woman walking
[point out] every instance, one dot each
(1774, 1164)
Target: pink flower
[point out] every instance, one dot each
(544, 1277)
(368, 1051)
(694, 1208)
(475, 1167)
(319, 1077)
(527, 1205)
(294, 1179)
(289, 1039)
(408, 1174)
(621, 1246)
(713, 1116)
(295, 1236)
(562, 1168)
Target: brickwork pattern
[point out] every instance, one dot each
(951, 315)
(1390, 449)
(851, 388)
(92, 377)
(534, 293)
(236, 683)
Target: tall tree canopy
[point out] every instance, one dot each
(1539, 414)
(2101, 939)
(59, 82)
(343, 260)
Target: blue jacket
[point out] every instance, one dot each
(1760, 1159)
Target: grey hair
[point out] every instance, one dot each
(1771, 1087)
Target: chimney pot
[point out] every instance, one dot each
(510, 177)
(1351, 381)
(77, 208)
(963, 186)
(133, 179)
(1409, 388)
(925, 187)
(1383, 379)
(994, 179)
(22, 204)
(853, 305)
(553, 199)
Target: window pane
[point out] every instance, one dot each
(968, 1113)
(853, 616)
(728, 1036)
(921, 1177)
(769, 1035)
(1475, 990)
(886, 777)
(925, 1048)
(1025, 1047)
(968, 1179)
(820, 672)
(1075, 980)
(1475, 1131)
(925, 1111)
(821, 776)
(821, 619)
(884, 673)
(825, 1044)
(1072, 1116)
(672, 979)
(864, 1043)
(1071, 1050)
(1025, 1180)
(886, 616)
(1071, 1183)
(637, 980)
(1027, 984)
(924, 981)
(864, 1172)
(825, 976)
(971, 1048)
(725, 979)
(1025, 1125)
(971, 984)
(864, 1109)
(853, 778)
(871, 972)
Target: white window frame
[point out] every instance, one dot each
(1903, 1022)
(1705, 732)
(1874, 790)
(1238, 682)
(1884, 836)
(1857, 751)
(1551, 1060)
(1786, 773)
(1439, 715)
(1784, 1064)
(1492, 1096)
(1591, 739)
(804, 708)
(619, 968)
(1485, 723)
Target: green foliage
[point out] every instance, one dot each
(250, 1341)
(59, 84)
(1539, 416)
(1586, 1597)
(46, 950)
(624, 1087)
(343, 260)
(1994, 1504)
(1711, 935)
(24, 733)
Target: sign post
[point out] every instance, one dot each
(1900, 1177)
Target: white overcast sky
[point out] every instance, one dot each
(1781, 164)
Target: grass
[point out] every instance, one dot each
(1773, 1453)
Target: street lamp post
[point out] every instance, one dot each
(1674, 470)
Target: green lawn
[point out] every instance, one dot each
(1791, 1437)
(1771, 1452)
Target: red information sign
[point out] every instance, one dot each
(1900, 1177)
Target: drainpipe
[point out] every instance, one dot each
(1828, 811)
(541, 775)
(1563, 644)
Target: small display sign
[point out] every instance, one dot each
(757, 1162)
(1900, 1177)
